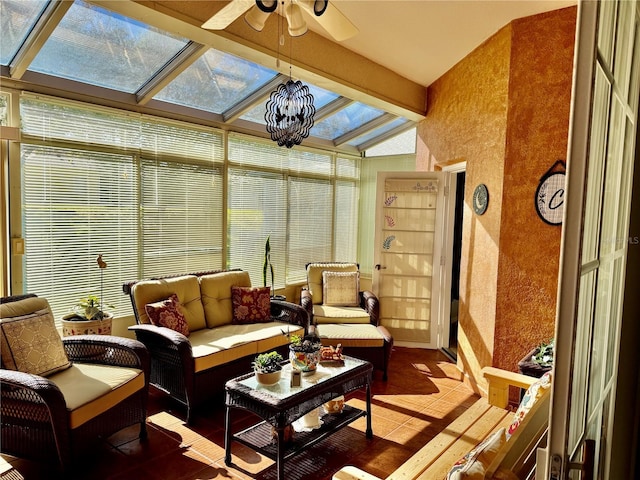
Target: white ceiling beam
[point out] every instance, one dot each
(174, 67)
(362, 129)
(247, 103)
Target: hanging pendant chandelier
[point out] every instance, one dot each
(290, 113)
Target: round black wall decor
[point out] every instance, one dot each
(550, 194)
(480, 199)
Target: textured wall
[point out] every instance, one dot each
(467, 120)
(504, 110)
(537, 132)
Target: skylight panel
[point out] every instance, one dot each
(376, 132)
(17, 18)
(99, 47)
(215, 82)
(345, 120)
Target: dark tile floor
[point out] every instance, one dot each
(423, 395)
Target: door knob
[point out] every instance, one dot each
(380, 267)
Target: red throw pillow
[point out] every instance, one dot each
(168, 313)
(251, 304)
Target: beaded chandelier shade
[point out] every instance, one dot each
(290, 113)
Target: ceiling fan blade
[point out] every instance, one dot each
(332, 20)
(227, 14)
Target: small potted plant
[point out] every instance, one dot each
(538, 361)
(304, 352)
(268, 368)
(88, 315)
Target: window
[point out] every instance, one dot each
(296, 198)
(150, 195)
(145, 193)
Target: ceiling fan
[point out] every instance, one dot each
(256, 14)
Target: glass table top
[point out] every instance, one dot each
(283, 388)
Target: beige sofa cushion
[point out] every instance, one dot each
(216, 295)
(351, 335)
(329, 314)
(90, 390)
(314, 276)
(186, 288)
(217, 346)
(29, 340)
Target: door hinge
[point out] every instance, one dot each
(443, 260)
(446, 191)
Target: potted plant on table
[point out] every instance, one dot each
(304, 352)
(88, 315)
(268, 368)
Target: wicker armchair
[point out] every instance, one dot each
(178, 366)
(346, 315)
(41, 417)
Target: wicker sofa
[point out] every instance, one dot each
(194, 368)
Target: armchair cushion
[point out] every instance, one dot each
(91, 389)
(30, 342)
(533, 394)
(475, 463)
(341, 289)
(314, 276)
(251, 304)
(330, 314)
(168, 313)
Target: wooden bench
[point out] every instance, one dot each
(487, 415)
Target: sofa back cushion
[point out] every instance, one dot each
(186, 288)
(216, 295)
(314, 277)
(29, 340)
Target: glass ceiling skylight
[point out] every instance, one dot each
(101, 48)
(215, 82)
(16, 20)
(95, 46)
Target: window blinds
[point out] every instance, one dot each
(145, 193)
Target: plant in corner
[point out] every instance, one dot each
(268, 368)
(267, 266)
(88, 315)
(543, 355)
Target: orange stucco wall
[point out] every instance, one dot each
(504, 109)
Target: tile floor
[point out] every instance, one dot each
(423, 395)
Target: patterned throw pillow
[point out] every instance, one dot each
(31, 344)
(251, 304)
(475, 463)
(341, 289)
(168, 313)
(531, 396)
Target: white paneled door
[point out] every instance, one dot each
(407, 275)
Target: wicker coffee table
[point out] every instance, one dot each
(280, 405)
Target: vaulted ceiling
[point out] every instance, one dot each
(155, 57)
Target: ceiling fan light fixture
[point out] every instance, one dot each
(319, 7)
(297, 25)
(256, 18)
(267, 6)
